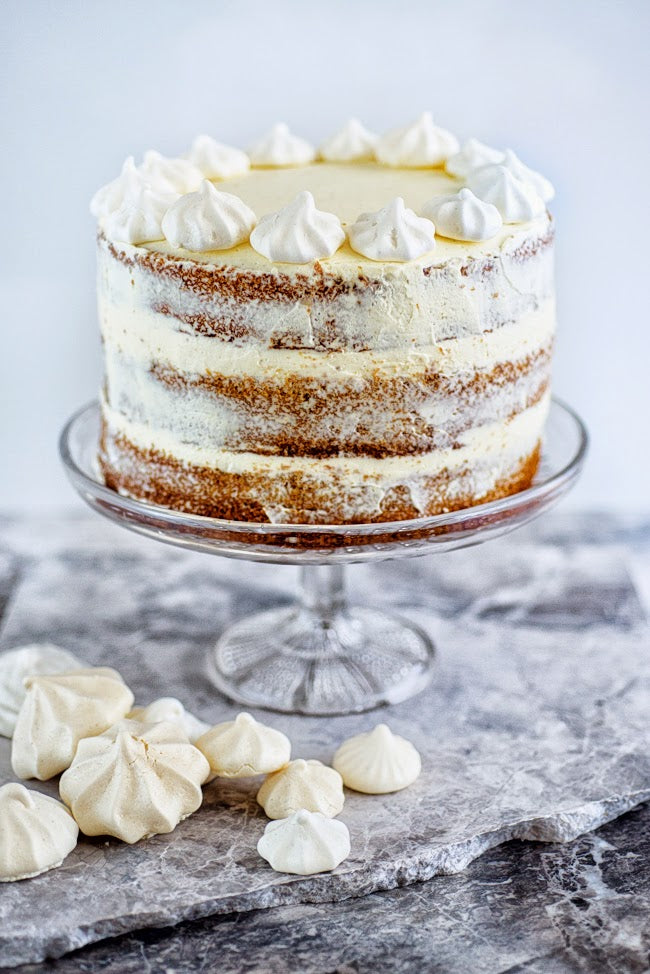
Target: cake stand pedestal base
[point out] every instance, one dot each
(321, 656)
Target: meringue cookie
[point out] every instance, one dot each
(420, 144)
(305, 843)
(110, 197)
(516, 201)
(298, 233)
(170, 175)
(280, 147)
(377, 762)
(134, 780)
(208, 220)
(60, 710)
(171, 711)
(352, 143)
(463, 216)
(472, 155)
(216, 160)
(243, 747)
(139, 217)
(302, 784)
(394, 233)
(36, 834)
(540, 183)
(16, 664)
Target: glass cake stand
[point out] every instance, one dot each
(322, 656)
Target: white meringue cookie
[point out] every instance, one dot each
(419, 144)
(36, 833)
(463, 216)
(171, 711)
(208, 220)
(110, 197)
(60, 710)
(305, 843)
(298, 233)
(352, 143)
(216, 160)
(168, 175)
(139, 217)
(280, 147)
(516, 201)
(134, 780)
(472, 155)
(540, 183)
(243, 747)
(394, 233)
(16, 665)
(378, 762)
(302, 784)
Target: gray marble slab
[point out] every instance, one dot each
(535, 726)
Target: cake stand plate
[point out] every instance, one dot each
(322, 656)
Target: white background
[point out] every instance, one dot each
(85, 84)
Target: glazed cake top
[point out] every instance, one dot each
(361, 204)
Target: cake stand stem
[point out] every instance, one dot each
(321, 656)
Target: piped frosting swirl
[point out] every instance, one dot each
(471, 156)
(280, 147)
(298, 233)
(422, 143)
(139, 217)
(542, 186)
(516, 201)
(170, 175)
(352, 143)
(463, 216)
(392, 233)
(208, 220)
(217, 160)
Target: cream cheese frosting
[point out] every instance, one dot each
(353, 143)
(298, 233)
(377, 762)
(16, 665)
(517, 201)
(280, 147)
(302, 784)
(36, 833)
(394, 233)
(60, 710)
(217, 160)
(208, 220)
(463, 216)
(243, 747)
(422, 143)
(134, 780)
(305, 843)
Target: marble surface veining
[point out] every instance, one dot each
(535, 726)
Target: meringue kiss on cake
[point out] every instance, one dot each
(355, 330)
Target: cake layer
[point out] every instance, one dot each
(490, 461)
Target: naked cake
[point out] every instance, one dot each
(359, 333)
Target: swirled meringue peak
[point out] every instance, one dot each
(110, 197)
(243, 747)
(471, 156)
(394, 233)
(280, 147)
(417, 145)
(298, 233)
(540, 183)
(16, 665)
(208, 220)
(304, 843)
(302, 784)
(170, 175)
(463, 216)
(377, 762)
(352, 143)
(216, 160)
(516, 201)
(37, 833)
(138, 219)
(172, 711)
(134, 780)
